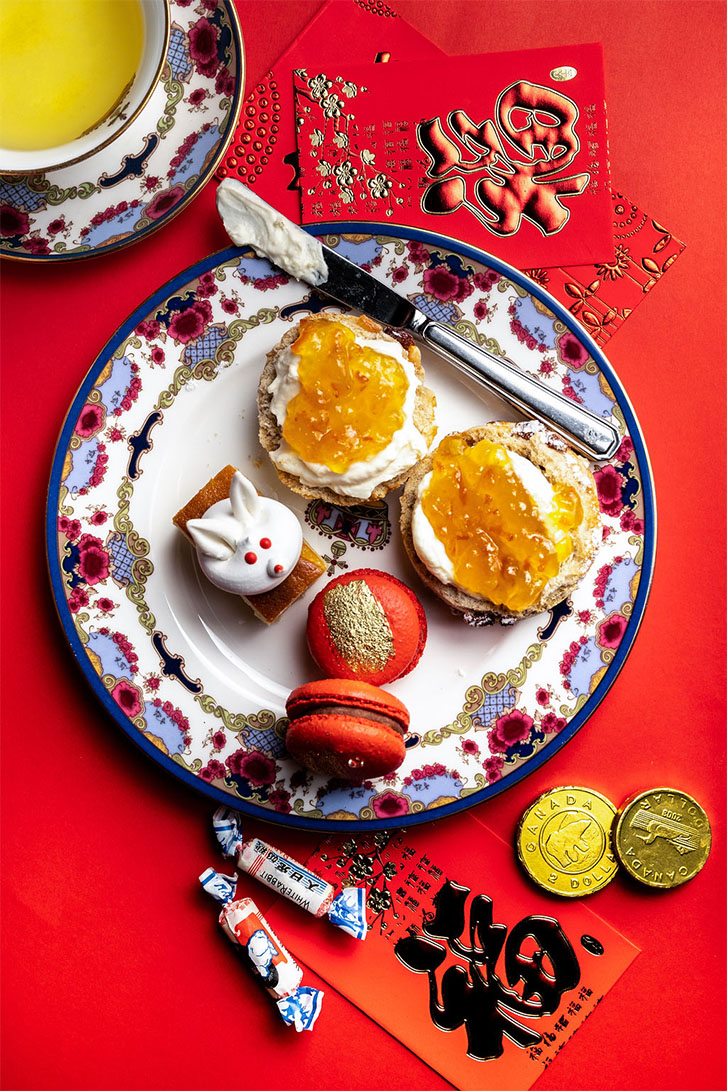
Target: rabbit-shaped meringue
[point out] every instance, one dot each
(247, 544)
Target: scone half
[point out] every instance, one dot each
(560, 466)
(392, 466)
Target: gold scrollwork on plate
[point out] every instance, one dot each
(473, 699)
(618, 413)
(572, 710)
(505, 285)
(175, 93)
(79, 621)
(135, 593)
(494, 683)
(637, 541)
(63, 493)
(238, 722)
(54, 195)
(141, 567)
(262, 317)
(205, 370)
(469, 330)
(460, 726)
(181, 377)
(480, 782)
(192, 766)
(299, 807)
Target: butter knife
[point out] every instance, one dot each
(251, 221)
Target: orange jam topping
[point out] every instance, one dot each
(501, 544)
(351, 397)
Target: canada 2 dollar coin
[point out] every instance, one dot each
(564, 841)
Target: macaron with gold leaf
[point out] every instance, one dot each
(366, 625)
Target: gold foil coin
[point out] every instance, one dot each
(662, 837)
(564, 841)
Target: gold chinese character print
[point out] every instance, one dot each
(362, 862)
(536, 952)
(508, 170)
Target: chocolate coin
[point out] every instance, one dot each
(662, 837)
(564, 841)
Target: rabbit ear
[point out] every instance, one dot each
(244, 499)
(213, 537)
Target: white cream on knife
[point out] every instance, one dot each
(249, 221)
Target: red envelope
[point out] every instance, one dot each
(262, 153)
(469, 964)
(602, 296)
(506, 151)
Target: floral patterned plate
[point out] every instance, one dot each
(140, 181)
(191, 675)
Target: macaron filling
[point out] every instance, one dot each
(348, 729)
(325, 708)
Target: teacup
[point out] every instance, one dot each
(100, 84)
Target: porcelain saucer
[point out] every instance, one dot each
(142, 180)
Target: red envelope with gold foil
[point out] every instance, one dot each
(472, 967)
(262, 153)
(506, 151)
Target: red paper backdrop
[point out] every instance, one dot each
(113, 971)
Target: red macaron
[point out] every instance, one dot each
(366, 625)
(344, 728)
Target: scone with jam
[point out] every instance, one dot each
(343, 409)
(501, 521)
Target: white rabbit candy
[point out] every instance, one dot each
(248, 543)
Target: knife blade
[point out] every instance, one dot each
(249, 219)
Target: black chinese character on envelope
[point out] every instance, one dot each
(474, 995)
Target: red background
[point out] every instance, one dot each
(113, 972)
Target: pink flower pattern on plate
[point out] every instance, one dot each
(510, 728)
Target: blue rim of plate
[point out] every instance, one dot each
(573, 725)
(51, 259)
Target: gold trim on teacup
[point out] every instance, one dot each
(25, 173)
(49, 259)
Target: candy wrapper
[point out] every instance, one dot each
(347, 910)
(244, 925)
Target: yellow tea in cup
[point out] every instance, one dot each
(64, 65)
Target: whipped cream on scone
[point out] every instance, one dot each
(432, 551)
